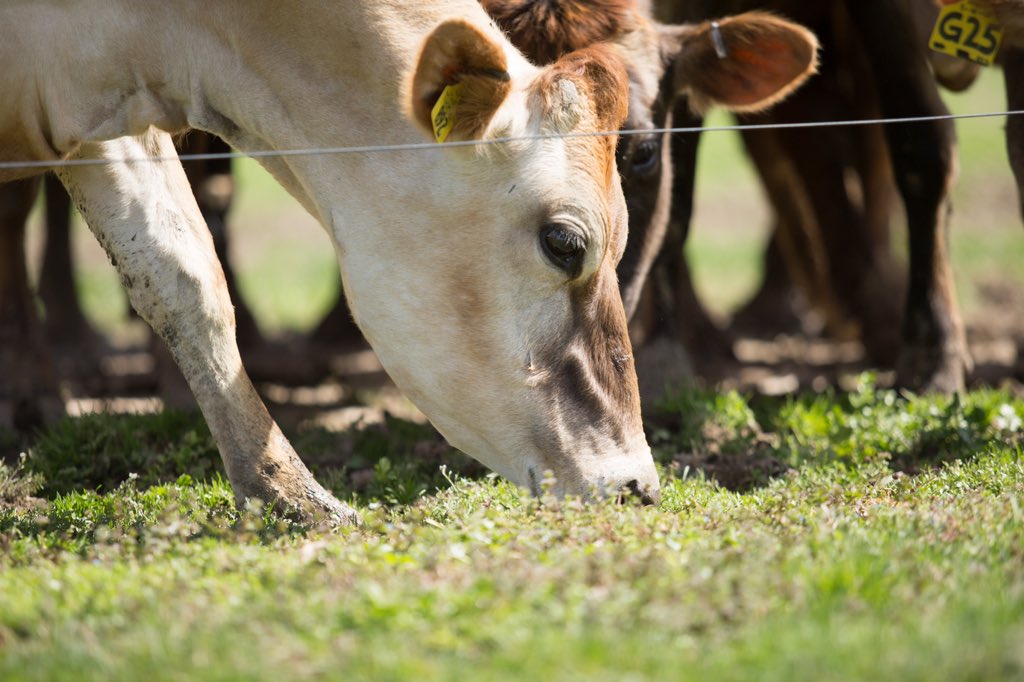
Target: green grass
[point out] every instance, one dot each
(889, 544)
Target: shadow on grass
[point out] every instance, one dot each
(744, 442)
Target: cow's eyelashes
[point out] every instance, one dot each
(564, 246)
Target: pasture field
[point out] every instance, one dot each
(871, 534)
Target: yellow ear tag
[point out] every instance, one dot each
(443, 113)
(968, 31)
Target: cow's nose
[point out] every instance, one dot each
(645, 495)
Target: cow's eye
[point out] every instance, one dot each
(564, 246)
(646, 156)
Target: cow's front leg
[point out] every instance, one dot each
(146, 218)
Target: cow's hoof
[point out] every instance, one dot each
(29, 414)
(308, 503)
(929, 370)
(326, 508)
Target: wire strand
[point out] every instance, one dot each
(417, 146)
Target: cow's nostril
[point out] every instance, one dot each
(645, 495)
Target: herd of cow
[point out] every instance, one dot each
(495, 282)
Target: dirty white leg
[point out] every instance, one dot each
(145, 216)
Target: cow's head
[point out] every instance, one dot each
(499, 314)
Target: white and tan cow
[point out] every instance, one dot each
(483, 276)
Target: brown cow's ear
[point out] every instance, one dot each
(743, 63)
(459, 55)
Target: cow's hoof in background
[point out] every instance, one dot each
(81, 368)
(926, 369)
(771, 311)
(28, 413)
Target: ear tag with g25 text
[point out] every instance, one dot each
(967, 31)
(443, 113)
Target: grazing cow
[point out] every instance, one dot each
(483, 276)
(768, 59)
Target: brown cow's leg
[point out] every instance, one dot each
(676, 336)
(29, 393)
(1013, 73)
(934, 353)
(798, 233)
(775, 308)
(680, 316)
(884, 286)
(710, 348)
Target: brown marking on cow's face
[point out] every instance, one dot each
(602, 333)
(544, 30)
(589, 375)
(588, 367)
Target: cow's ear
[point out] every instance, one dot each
(461, 79)
(742, 63)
